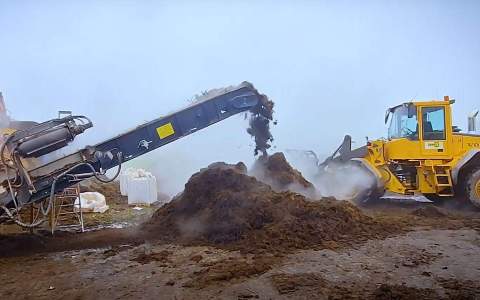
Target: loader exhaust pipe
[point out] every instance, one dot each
(472, 121)
(4, 119)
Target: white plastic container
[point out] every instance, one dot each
(139, 185)
(124, 178)
(92, 202)
(142, 190)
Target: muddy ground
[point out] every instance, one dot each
(381, 251)
(436, 258)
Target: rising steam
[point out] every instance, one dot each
(343, 182)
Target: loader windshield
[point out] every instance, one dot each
(403, 122)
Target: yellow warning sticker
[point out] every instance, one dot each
(165, 131)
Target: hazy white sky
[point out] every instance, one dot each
(332, 67)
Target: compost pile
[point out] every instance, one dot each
(223, 206)
(275, 171)
(429, 211)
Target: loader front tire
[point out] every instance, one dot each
(368, 195)
(472, 187)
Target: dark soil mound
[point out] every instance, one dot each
(403, 292)
(228, 270)
(429, 211)
(280, 175)
(221, 205)
(314, 286)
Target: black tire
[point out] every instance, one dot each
(364, 197)
(370, 195)
(472, 187)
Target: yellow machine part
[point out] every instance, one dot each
(4, 132)
(477, 189)
(433, 160)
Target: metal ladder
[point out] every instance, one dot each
(443, 180)
(65, 214)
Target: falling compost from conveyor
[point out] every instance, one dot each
(259, 129)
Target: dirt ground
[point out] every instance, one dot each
(252, 243)
(436, 258)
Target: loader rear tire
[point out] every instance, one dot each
(472, 187)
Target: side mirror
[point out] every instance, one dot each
(387, 114)
(412, 111)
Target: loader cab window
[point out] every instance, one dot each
(403, 122)
(433, 123)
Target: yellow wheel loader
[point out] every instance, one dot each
(424, 155)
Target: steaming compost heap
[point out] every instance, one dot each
(223, 206)
(275, 171)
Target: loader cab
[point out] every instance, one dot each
(420, 130)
